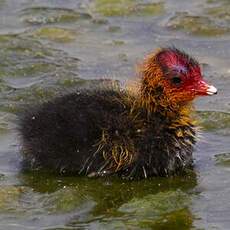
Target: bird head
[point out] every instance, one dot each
(171, 77)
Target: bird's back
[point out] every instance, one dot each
(61, 134)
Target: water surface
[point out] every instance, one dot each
(50, 47)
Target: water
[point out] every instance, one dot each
(49, 47)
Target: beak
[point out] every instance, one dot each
(211, 90)
(205, 89)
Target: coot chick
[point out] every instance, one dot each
(113, 131)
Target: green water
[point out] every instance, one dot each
(51, 47)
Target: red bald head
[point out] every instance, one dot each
(171, 78)
(183, 74)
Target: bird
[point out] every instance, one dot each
(113, 131)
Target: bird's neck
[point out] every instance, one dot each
(156, 103)
(153, 98)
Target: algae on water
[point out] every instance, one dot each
(213, 120)
(55, 34)
(127, 8)
(196, 25)
(49, 15)
(223, 159)
(153, 208)
(9, 197)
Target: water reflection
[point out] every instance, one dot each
(110, 202)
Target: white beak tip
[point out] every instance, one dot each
(211, 90)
